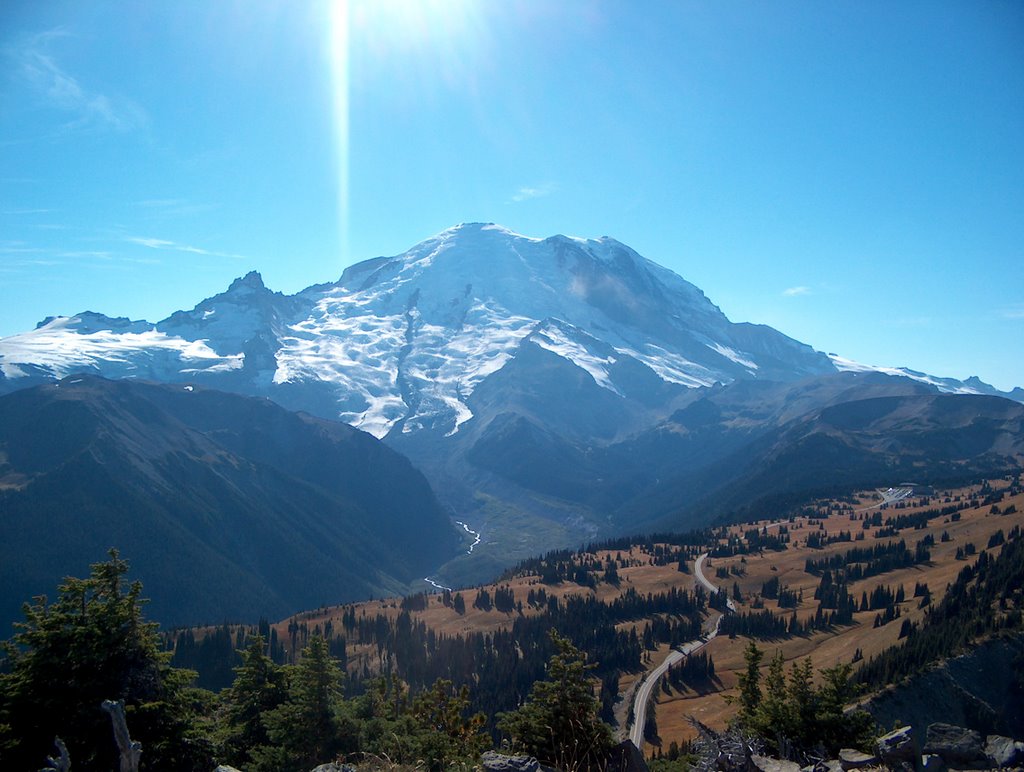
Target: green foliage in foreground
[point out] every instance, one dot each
(559, 724)
(793, 716)
(93, 644)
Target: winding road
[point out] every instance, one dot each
(643, 692)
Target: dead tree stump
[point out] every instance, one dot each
(130, 749)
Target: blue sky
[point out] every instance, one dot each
(851, 173)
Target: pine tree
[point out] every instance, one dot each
(750, 682)
(305, 730)
(93, 644)
(773, 718)
(259, 688)
(447, 736)
(559, 723)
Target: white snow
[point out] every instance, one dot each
(429, 325)
(730, 354)
(676, 368)
(554, 339)
(60, 349)
(947, 385)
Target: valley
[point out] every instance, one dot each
(475, 386)
(415, 453)
(553, 391)
(761, 568)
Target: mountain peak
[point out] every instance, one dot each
(251, 281)
(401, 343)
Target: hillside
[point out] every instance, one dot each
(229, 507)
(552, 390)
(628, 603)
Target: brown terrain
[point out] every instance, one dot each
(974, 526)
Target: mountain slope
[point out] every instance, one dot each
(552, 390)
(926, 438)
(400, 343)
(228, 507)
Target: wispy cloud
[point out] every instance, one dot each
(909, 321)
(60, 90)
(160, 203)
(793, 292)
(1013, 313)
(18, 212)
(18, 248)
(526, 192)
(152, 243)
(172, 207)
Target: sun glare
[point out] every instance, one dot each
(404, 47)
(338, 26)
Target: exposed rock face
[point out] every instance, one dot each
(499, 762)
(946, 747)
(766, 764)
(1004, 752)
(957, 746)
(854, 759)
(977, 690)
(897, 746)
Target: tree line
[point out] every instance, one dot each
(93, 644)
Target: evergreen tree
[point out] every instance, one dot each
(796, 719)
(259, 688)
(773, 719)
(447, 735)
(305, 730)
(834, 727)
(559, 723)
(750, 682)
(93, 644)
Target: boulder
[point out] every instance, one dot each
(932, 763)
(898, 745)
(825, 765)
(1004, 752)
(499, 762)
(768, 764)
(854, 759)
(334, 766)
(226, 768)
(957, 746)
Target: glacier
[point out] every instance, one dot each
(400, 344)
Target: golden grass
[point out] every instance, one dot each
(824, 648)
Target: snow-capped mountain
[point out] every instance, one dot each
(401, 343)
(551, 389)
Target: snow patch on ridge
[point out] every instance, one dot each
(732, 355)
(60, 348)
(945, 385)
(554, 339)
(675, 368)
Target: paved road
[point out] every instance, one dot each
(698, 569)
(889, 496)
(643, 692)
